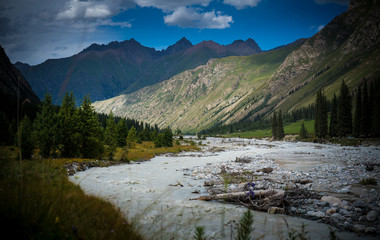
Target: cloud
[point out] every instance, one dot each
(186, 17)
(341, 2)
(317, 28)
(240, 4)
(171, 5)
(35, 32)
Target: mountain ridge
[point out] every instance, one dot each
(104, 71)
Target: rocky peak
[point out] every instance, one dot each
(240, 47)
(180, 45)
(358, 3)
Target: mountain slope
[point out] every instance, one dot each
(104, 71)
(13, 86)
(222, 91)
(239, 88)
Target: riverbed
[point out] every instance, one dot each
(155, 195)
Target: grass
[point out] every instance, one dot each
(39, 202)
(292, 128)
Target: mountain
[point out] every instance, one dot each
(13, 86)
(105, 71)
(238, 88)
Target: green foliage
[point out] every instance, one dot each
(274, 125)
(293, 234)
(245, 227)
(46, 128)
(91, 144)
(320, 124)
(358, 114)
(68, 122)
(333, 235)
(121, 133)
(344, 111)
(131, 138)
(365, 120)
(110, 136)
(199, 233)
(280, 127)
(27, 142)
(303, 132)
(158, 140)
(333, 128)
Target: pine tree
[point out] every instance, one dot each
(333, 130)
(167, 140)
(344, 112)
(91, 145)
(110, 136)
(320, 124)
(358, 114)
(365, 120)
(26, 141)
(46, 127)
(274, 125)
(280, 127)
(121, 132)
(68, 121)
(303, 132)
(245, 227)
(131, 138)
(375, 118)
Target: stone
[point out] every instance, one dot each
(370, 230)
(359, 204)
(276, 210)
(344, 212)
(372, 216)
(330, 211)
(337, 218)
(332, 200)
(315, 215)
(359, 228)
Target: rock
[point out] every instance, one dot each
(276, 210)
(344, 190)
(369, 167)
(359, 204)
(344, 212)
(330, 211)
(332, 200)
(265, 170)
(359, 228)
(337, 218)
(370, 230)
(372, 216)
(315, 215)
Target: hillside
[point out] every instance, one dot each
(224, 90)
(239, 88)
(105, 71)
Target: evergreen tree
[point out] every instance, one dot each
(69, 127)
(159, 140)
(333, 130)
(167, 140)
(280, 127)
(375, 118)
(320, 124)
(46, 127)
(90, 131)
(274, 125)
(131, 138)
(344, 112)
(358, 114)
(4, 129)
(26, 141)
(110, 135)
(303, 132)
(365, 120)
(121, 132)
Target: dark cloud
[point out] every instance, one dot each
(341, 2)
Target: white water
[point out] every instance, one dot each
(160, 211)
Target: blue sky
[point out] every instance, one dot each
(33, 31)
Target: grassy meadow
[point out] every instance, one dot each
(39, 202)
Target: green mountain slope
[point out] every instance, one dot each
(222, 91)
(240, 88)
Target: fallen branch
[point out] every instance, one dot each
(277, 193)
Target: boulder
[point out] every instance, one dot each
(372, 216)
(332, 200)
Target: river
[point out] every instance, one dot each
(154, 195)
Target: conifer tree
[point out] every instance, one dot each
(167, 140)
(320, 124)
(110, 136)
(121, 132)
(68, 121)
(274, 125)
(131, 138)
(26, 141)
(333, 130)
(46, 127)
(358, 114)
(303, 132)
(91, 145)
(280, 127)
(344, 111)
(365, 120)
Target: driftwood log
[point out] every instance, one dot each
(276, 193)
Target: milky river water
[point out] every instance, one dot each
(154, 195)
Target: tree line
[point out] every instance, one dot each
(71, 131)
(363, 122)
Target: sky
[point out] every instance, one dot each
(32, 31)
